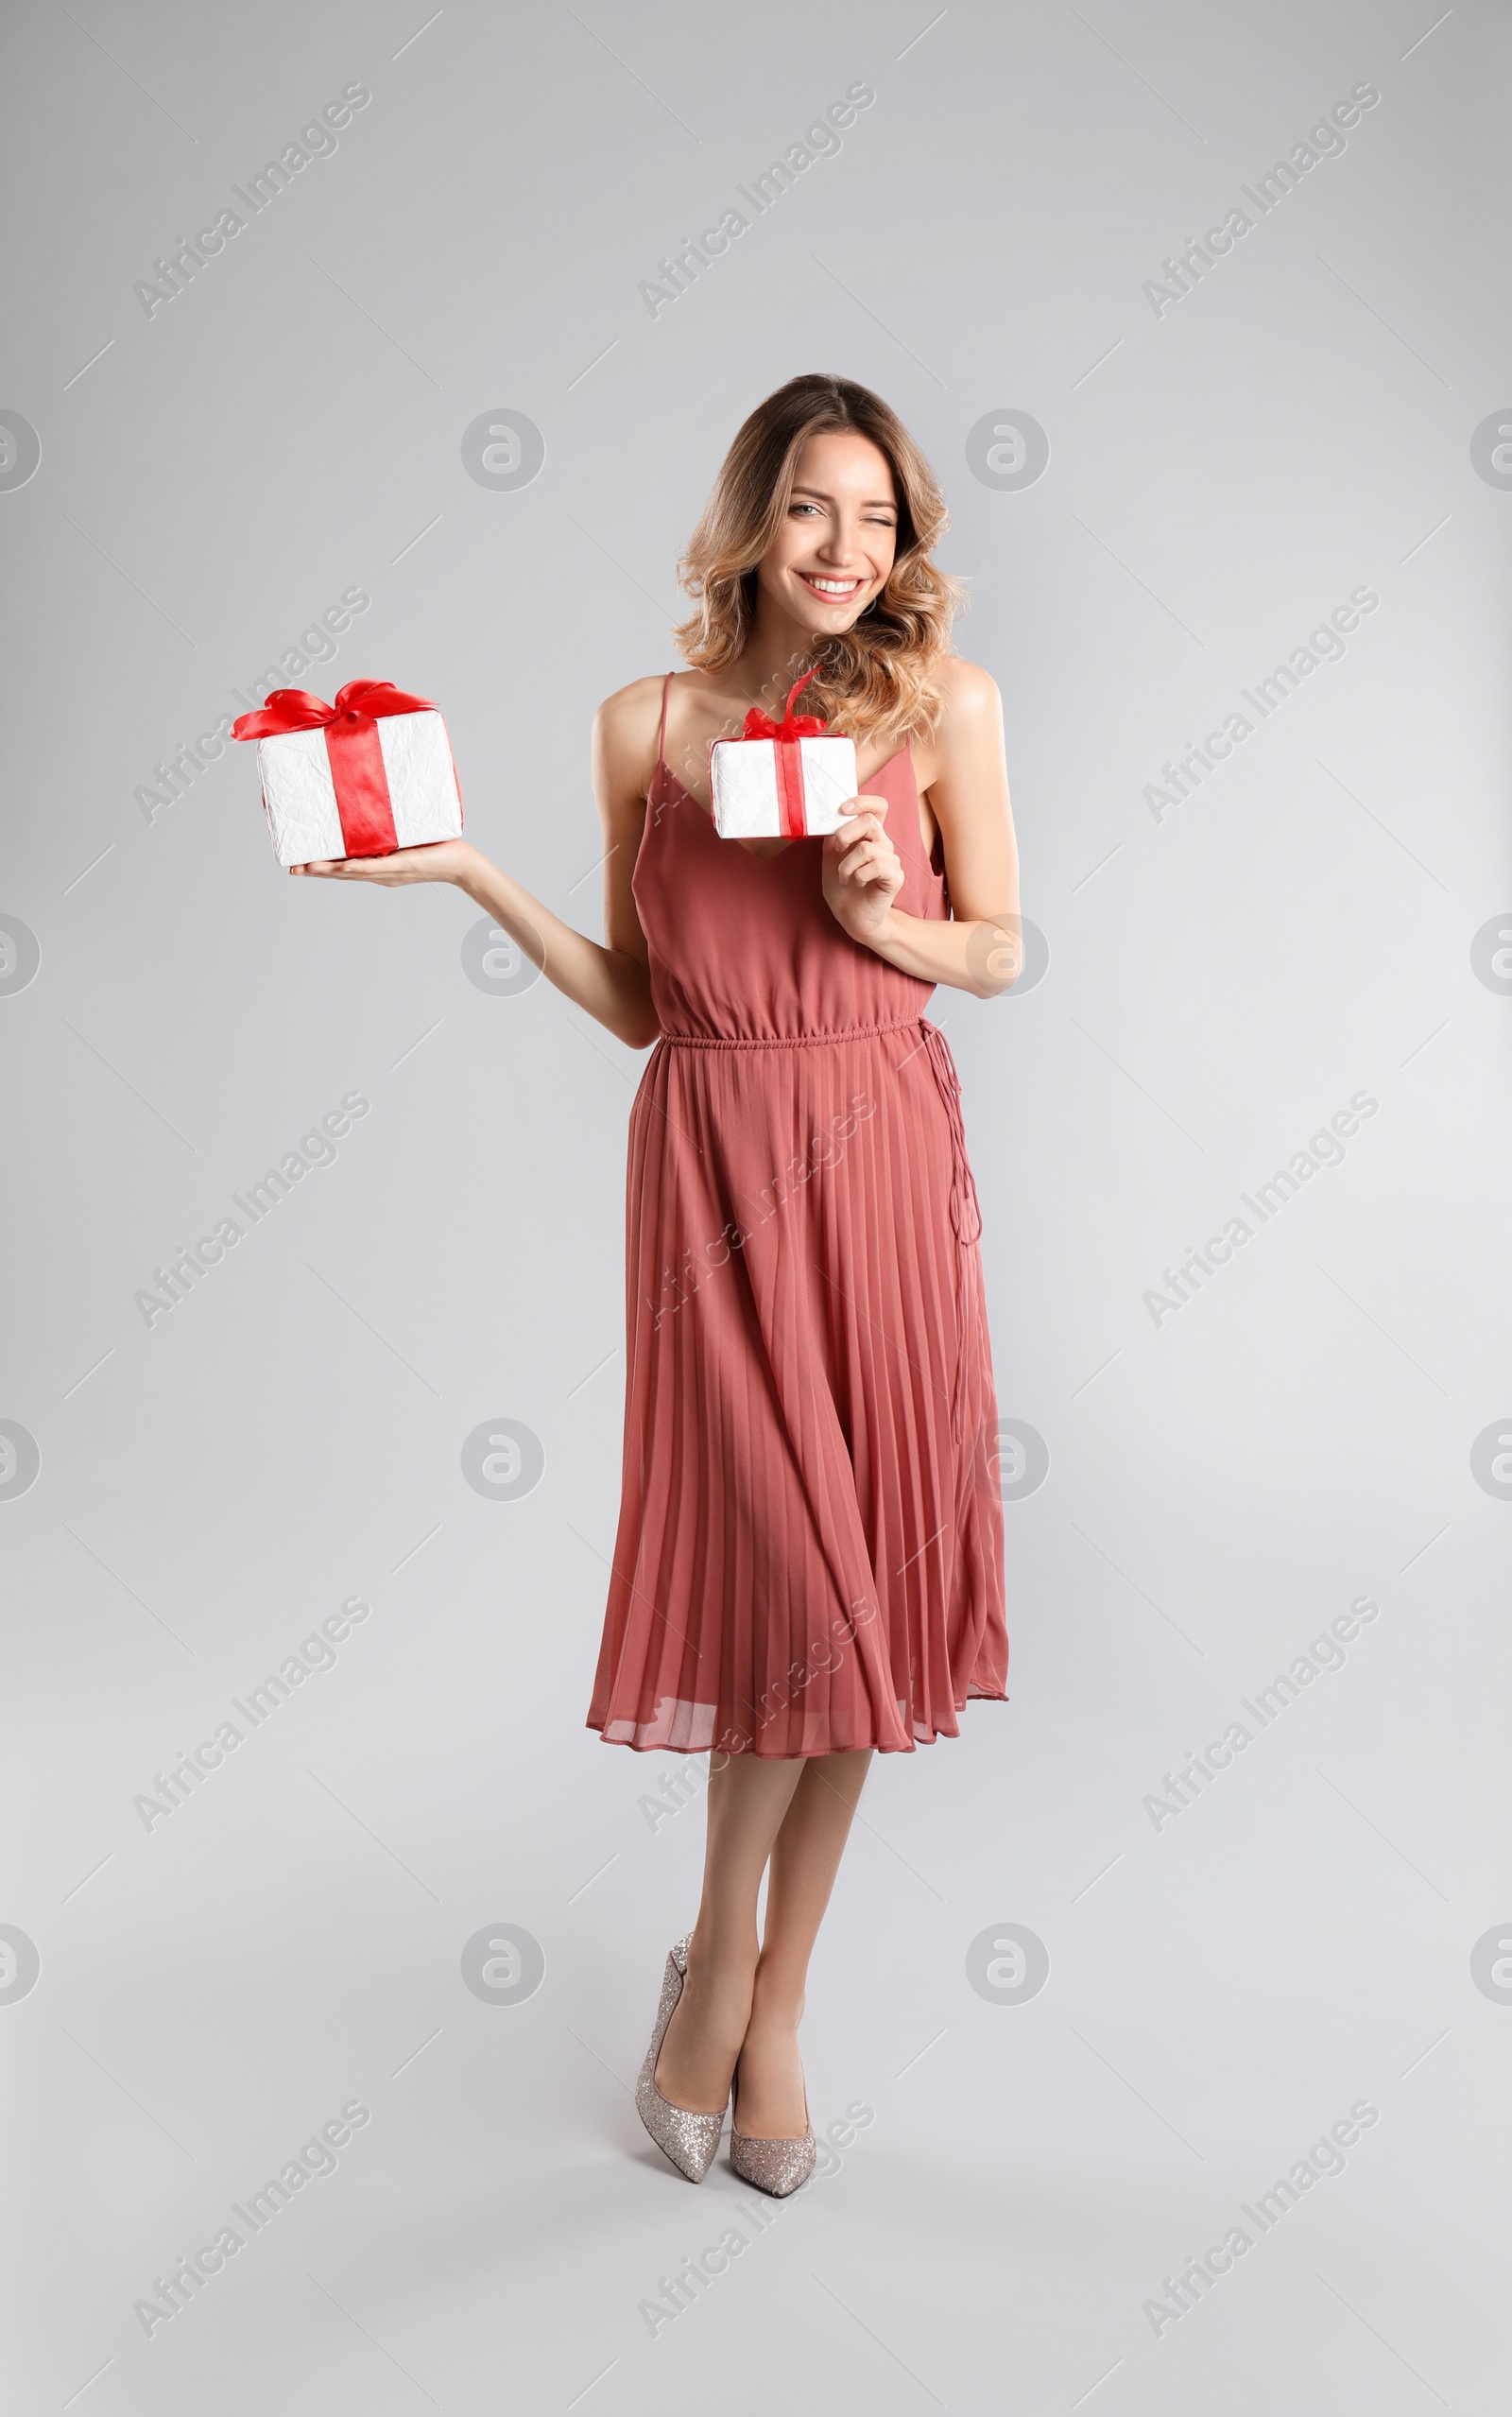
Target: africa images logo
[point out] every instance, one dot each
(1324, 1148)
(820, 141)
(1324, 141)
(316, 140)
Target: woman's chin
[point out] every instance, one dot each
(825, 620)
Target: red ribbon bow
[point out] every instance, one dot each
(351, 742)
(289, 709)
(792, 725)
(786, 734)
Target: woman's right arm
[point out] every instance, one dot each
(612, 982)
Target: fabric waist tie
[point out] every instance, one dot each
(966, 1209)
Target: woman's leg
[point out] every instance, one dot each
(805, 1858)
(747, 1798)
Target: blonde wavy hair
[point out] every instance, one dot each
(880, 674)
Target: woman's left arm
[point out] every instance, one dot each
(980, 950)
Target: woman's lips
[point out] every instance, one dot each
(831, 590)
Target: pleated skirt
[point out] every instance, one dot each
(809, 1557)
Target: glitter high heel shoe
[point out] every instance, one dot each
(689, 2138)
(777, 2166)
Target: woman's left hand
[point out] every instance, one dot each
(863, 872)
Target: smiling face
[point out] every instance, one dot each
(835, 549)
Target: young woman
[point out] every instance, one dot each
(809, 1566)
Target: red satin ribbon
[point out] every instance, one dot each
(792, 725)
(789, 756)
(287, 709)
(353, 745)
(786, 734)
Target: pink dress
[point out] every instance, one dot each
(810, 1546)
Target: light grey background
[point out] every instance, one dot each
(1220, 1486)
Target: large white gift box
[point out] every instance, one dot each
(782, 780)
(363, 777)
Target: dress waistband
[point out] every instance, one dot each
(965, 1211)
(965, 1207)
(789, 1040)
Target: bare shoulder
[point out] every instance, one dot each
(631, 711)
(972, 701)
(966, 743)
(625, 734)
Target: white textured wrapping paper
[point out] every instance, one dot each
(743, 776)
(301, 800)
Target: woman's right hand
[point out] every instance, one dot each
(452, 860)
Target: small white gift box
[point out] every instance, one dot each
(782, 780)
(363, 777)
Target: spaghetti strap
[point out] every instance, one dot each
(661, 733)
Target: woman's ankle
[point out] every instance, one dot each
(718, 1999)
(722, 1949)
(777, 1999)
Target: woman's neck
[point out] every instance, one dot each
(777, 653)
